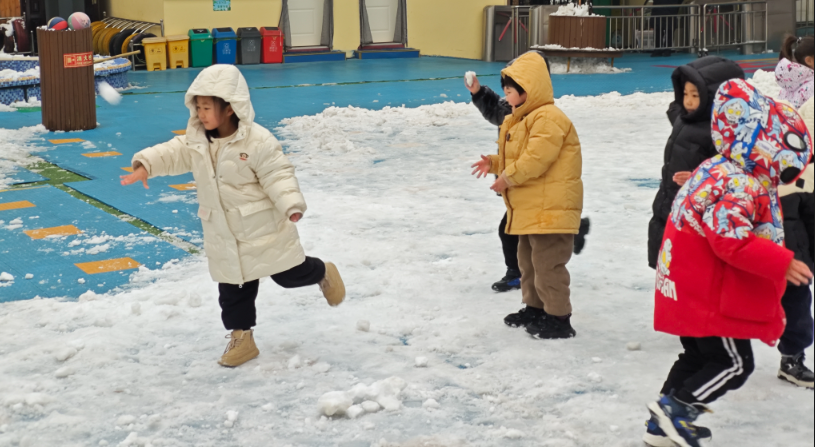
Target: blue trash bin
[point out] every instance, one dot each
(226, 46)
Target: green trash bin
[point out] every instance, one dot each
(200, 48)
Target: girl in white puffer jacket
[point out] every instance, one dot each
(249, 202)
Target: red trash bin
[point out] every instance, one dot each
(272, 45)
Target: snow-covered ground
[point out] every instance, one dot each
(392, 202)
(15, 150)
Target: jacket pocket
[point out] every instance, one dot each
(747, 297)
(204, 213)
(259, 219)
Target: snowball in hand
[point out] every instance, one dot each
(109, 93)
(469, 77)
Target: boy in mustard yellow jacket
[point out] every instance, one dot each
(539, 168)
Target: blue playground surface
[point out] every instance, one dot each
(149, 115)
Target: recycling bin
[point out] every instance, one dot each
(200, 47)
(272, 45)
(249, 46)
(226, 46)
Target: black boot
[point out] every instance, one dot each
(794, 371)
(580, 239)
(552, 328)
(524, 317)
(511, 281)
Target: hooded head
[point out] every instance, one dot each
(796, 82)
(225, 82)
(530, 72)
(768, 139)
(707, 74)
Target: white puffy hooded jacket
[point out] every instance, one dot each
(246, 199)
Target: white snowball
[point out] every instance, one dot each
(355, 411)
(29, 276)
(421, 362)
(634, 346)
(470, 78)
(431, 404)
(6, 277)
(363, 325)
(334, 403)
(64, 372)
(109, 94)
(64, 354)
(370, 406)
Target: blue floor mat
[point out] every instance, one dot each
(51, 260)
(21, 176)
(162, 206)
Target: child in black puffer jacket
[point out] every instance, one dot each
(695, 86)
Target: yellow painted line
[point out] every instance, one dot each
(180, 132)
(127, 169)
(184, 187)
(16, 205)
(111, 265)
(67, 141)
(102, 154)
(42, 233)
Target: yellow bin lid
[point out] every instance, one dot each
(154, 40)
(177, 37)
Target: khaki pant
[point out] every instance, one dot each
(544, 277)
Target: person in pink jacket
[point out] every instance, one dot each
(794, 72)
(723, 267)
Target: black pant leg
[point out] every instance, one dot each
(798, 335)
(238, 305)
(728, 364)
(309, 273)
(509, 244)
(686, 366)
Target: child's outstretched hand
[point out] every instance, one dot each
(482, 168)
(139, 175)
(296, 217)
(682, 177)
(798, 273)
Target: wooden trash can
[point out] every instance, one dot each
(577, 31)
(66, 79)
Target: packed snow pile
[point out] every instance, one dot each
(16, 146)
(13, 75)
(765, 82)
(572, 9)
(361, 399)
(558, 65)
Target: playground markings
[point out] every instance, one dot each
(67, 141)
(102, 154)
(180, 132)
(16, 205)
(110, 265)
(184, 187)
(42, 233)
(127, 169)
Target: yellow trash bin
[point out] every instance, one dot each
(178, 50)
(155, 53)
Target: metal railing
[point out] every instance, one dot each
(804, 10)
(646, 28)
(734, 24)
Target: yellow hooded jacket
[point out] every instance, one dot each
(539, 155)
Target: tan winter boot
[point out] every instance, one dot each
(241, 349)
(332, 286)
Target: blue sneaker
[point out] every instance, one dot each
(675, 418)
(511, 281)
(656, 437)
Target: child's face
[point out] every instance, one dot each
(513, 98)
(210, 114)
(810, 62)
(691, 101)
